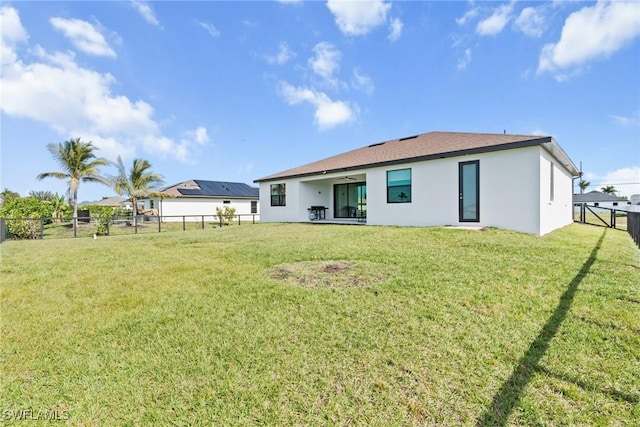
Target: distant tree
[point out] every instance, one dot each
(43, 195)
(7, 195)
(138, 182)
(78, 162)
(609, 189)
(583, 185)
(59, 207)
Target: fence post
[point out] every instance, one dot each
(108, 228)
(254, 218)
(75, 226)
(184, 224)
(159, 224)
(3, 230)
(239, 216)
(613, 219)
(203, 222)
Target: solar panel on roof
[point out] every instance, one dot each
(221, 189)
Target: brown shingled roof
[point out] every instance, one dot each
(173, 190)
(416, 148)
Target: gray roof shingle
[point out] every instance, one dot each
(597, 196)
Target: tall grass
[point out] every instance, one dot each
(453, 327)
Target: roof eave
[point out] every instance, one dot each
(457, 153)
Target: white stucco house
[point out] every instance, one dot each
(194, 198)
(516, 182)
(600, 200)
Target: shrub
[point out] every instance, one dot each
(102, 214)
(27, 213)
(226, 214)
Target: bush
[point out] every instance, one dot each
(102, 214)
(226, 214)
(26, 213)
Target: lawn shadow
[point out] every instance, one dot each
(506, 399)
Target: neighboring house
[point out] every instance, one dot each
(195, 198)
(601, 200)
(114, 202)
(516, 182)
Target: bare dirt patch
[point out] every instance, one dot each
(332, 274)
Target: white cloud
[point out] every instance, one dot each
(626, 180)
(188, 144)
(11, 30)
(283, 55)
(145, 10)
(328, 113)
(496, 22)
(11, 34)
(468, 16)
(77, 101)
(625, 120)
(357, 18)
(395, 29)
(212, 30)
(362, 82)
(109, 146)
(531, 21)
(591, 33)
(200, 135)
(83, 36)
(465, 60)
(326, 62)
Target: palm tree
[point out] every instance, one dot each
(609, 189)
(583, 185)
(137, 183)
(78, 162)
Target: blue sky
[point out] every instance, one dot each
(235, 91)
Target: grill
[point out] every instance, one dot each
(317, 212)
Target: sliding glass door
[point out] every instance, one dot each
(350, 200)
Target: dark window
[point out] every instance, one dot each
(551, 183)
(399, 186)
(615, 203)
(226, 202)
(278, 195)
(151, 205)
(596, 204)
(254, 206)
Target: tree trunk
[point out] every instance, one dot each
(134, 205)
(75, 210)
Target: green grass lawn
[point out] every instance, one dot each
(303, 324)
